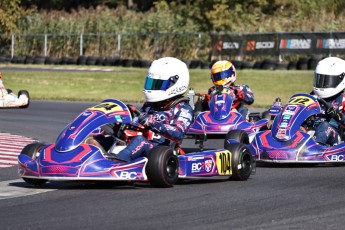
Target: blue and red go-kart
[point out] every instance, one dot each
(77, 156)
(221, 118)
(290, 139)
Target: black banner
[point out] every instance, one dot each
(274, 44)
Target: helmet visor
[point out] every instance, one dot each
(327, 81)
(222, 75)
(158, 84)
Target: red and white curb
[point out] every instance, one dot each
(10, 147)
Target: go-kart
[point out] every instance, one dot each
(10, 100)
(290, 139)
(78, 155)
(221, 118)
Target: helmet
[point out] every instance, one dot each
(329, 77)
(166, 78)
(223, 73)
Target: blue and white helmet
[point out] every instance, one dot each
(166, 78)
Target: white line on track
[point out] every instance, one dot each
(12, 189)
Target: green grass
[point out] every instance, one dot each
(127, 84)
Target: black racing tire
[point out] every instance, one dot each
(24, 92)
(269, 64)
(31, 150)
(162, 167)
(242, 162)
(302, 64)
(81, 60)
(248, 65)
(238, 135)
(292, 65)
(39, 60)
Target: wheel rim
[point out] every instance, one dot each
(246, 163)
(171, 167)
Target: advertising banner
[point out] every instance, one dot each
(274, 44)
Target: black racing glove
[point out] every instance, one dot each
(333, 113)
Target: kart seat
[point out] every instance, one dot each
(92, 141)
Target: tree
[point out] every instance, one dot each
(10, 13)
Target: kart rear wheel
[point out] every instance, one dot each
(32, 151)
(237, 135)
(242, 161)
(162, 167)
(26, 93)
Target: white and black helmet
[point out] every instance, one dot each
(166, 78)
(329, 79)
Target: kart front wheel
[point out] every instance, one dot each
(242, 161)
(26, 93)
(32, 151)
(162, 167)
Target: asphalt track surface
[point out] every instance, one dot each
(285, 197)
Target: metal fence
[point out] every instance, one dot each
(273, 48)
(189, 46)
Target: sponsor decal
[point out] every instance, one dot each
(286, 116)
(203, 166)
(195, 158)
(301, 100)
(197, 167)
(281, 133)
(177, 90)
(208, 165)
(295, 44)
(125, 175)
(283, 125)
(290, 110)
(224, 166)
(159, 117)
(118, 118)
(253, 45)
(86, 114)
(230, 45)
(330, 43)
(250, 46)
(336, 157)
(107, 107)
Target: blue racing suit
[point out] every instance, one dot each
(171, 125)
(326, 128)
(243, 96)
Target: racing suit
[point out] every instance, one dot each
(171, 124)
(3, 94)
(243, 96)
(3, 91)
(327, 126)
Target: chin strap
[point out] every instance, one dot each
(170, 104)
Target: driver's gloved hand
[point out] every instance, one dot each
(146, 120)
(333, 113)
(239, 94)
(142, 117)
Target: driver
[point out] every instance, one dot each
(224, 73)
(165, 109)
(329, 84)
(3, 91)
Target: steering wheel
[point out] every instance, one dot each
(133, 110)
(323, 102)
